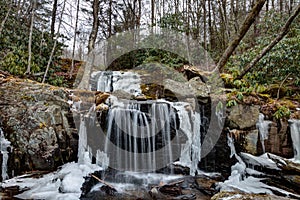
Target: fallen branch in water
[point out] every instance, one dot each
(101, 181)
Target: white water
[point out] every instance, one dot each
(263, 128)
(295, 134)
(190, 125)
(126, 118)
(4, 144)
(110, 81)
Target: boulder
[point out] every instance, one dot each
(243, 116)
(36, 119)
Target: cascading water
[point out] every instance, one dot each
(4, 144)
(140, 128)
(263, 127)
(143, 127)
(295, 134)
(109, 81)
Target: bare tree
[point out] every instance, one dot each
(250, 18)
(279, 37)
(53, 19)
(55, 42)
(74, 40)
(95, 27)
(30, 38)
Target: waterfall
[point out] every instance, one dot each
(143, 128)
(140, 128)
(109, 81)
(4, 145)
(263, 127)
(295, 134)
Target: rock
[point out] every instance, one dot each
(37, 121)
(279, 141)
(102, 107)
(243, 196)
(200, 89)
(120, 94)
(192, 88)
(100, 97)
(243, 116)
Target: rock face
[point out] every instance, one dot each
(243, 116)
(36, 119)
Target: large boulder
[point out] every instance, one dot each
(36, 119)
(243, 116)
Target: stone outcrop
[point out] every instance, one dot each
(243, 116)
(36, 119)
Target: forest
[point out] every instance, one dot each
(255, 44)
(150, 99)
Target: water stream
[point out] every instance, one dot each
(144, 128)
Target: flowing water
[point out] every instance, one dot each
(4, 145)
(149, 131)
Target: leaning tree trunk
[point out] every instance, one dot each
(5, 19)
(243, 30)
(281, 35)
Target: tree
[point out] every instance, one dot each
(279, 37)
(250, 18)
(95, 27)
(30, 38)
(53, 19)
(74, 40)
(5, 19)
(55, 43)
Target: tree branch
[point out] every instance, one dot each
(281, 35)
(244, 29)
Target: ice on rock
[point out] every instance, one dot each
(295, 134)
(63, 184)
(263, 128)
(4, 145)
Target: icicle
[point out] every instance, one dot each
(102, 159)
(4, 144)
(83, 150)
(295, 134)
(263, 127)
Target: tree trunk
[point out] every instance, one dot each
(282, 33)
(210, 28)
(152, 12)
(53, 19)
(204, 25)
(244, 29)
(4, 20)
(30, 38)
(95, 28)
(74, 41)
(55, 42)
